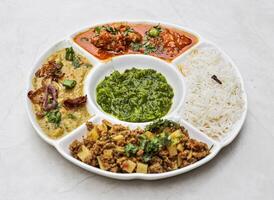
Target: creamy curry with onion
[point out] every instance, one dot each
(57, 92)
(109, 40)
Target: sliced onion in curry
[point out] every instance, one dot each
(50, 100)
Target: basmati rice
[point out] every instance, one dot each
(211, 107)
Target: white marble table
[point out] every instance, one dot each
(31, 169)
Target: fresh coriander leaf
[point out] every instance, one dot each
(159, 125)
(128, 30)
(111, 30)
(146, 158)
(149, 48)
(130, 150)
(135, 46)
(54, 116)
(164, 139)
(98, 29)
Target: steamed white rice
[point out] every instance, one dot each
(211, 107)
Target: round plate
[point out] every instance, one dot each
(168, 69)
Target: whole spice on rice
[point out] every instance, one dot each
(211, 108)
(215, 78)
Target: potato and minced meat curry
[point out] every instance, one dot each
(57, 92)
(161, 147)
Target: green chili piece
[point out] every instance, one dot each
(69, 84)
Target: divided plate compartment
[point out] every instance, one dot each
(56, 47)
(63, 148)
(102, 68)
(121, 63)
(236, 128)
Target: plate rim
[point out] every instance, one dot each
(54, 142)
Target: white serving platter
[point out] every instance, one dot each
(101, 69)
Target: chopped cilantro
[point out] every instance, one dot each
(111, 30)
(149, 48)
(98, 29)
(130, 150)
(128, 30)
(54, 116)
(159, 125)
(136, 46)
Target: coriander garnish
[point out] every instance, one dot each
(54, 117)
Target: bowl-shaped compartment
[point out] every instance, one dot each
(121, 63)
(56, 47)
(63, 148)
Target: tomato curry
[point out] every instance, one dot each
(114, 39)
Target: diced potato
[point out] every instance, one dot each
(57, 132)
(119, 149)
(93, 134)
(172, 150)
(118, 137)
(84, 154)
(108, 153)
(149, 135)
(107, 123)
(180, 147)
(141, 168)
(102, 128)
(176, 136)
(128, 166)
(179, 161)
(101, 165)
(175, 166)
(189, 155)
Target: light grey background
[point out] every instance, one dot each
(31, 169)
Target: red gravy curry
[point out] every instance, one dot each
(114, 39)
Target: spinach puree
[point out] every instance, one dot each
(136, 95)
